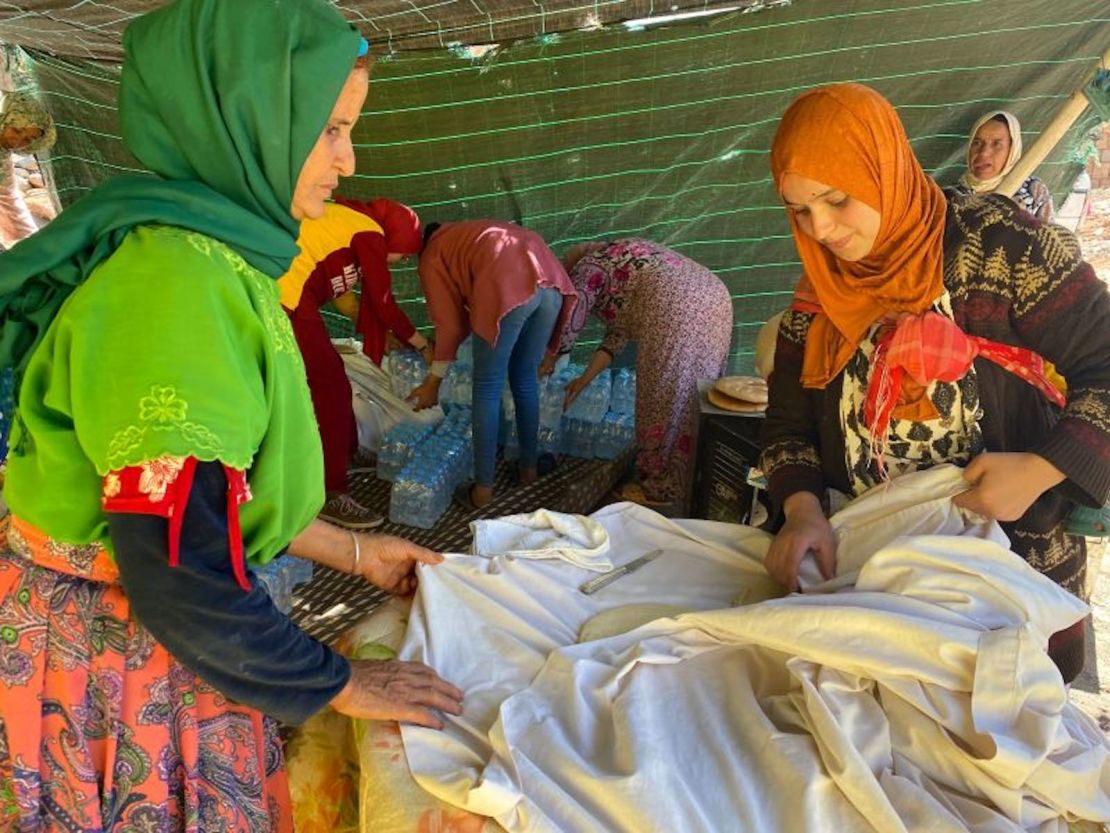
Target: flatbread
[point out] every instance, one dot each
(625, 618)
(744, 388)
(728, 403)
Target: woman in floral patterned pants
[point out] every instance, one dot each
(680, 316)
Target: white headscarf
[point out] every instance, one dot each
(980, 186)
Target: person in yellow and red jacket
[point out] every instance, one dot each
(353, 243)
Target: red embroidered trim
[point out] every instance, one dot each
(237, 492)
(125, 491)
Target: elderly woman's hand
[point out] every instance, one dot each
(409, 692)
(806, 530)
(389, 562)
(425, 395)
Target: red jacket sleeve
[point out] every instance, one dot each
(377, 283)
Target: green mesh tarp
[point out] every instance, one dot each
(92, 29)
(663, 133)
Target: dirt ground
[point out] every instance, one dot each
(1091, 691)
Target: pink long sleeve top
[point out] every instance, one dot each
(474, 272)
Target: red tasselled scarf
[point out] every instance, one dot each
(931, 347)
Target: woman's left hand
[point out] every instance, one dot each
(389, 562)
(1003, 485)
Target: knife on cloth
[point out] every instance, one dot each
(605, 579)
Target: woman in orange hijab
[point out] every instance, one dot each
(918, 336)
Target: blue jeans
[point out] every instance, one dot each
(524, 334)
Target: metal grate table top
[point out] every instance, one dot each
(332, 602)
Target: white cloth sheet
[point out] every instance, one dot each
(575, 539)
(377, 409)
(916, 697)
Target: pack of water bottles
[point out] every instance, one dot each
(281, 577)
(398, 446)
(426, 463)
(600, 422)
(408, 370)
(441, 461)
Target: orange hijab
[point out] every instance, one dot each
(849, 137)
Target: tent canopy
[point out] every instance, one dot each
(94, 28)
(660, 132)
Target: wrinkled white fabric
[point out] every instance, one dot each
(575, 539)
(377, 409)
(900, 507)
(917, 698)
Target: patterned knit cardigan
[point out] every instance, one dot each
(1015, 280)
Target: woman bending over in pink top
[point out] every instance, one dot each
(500, 282)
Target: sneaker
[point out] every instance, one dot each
(343, 510)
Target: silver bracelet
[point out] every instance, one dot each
(358, 552)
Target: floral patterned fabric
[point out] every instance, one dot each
(100, 728)
(351, 776)
(680, 316)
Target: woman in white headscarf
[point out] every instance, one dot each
(994, 149)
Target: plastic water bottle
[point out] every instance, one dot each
(552, 396)
(592, 403)
(511, 442)
(626, 432)
(615, 435)
(461, 392)
(623, 400)
(281, 577)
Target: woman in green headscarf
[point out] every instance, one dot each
(25, 127)
(164, 441)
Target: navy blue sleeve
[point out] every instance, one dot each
(234, 640)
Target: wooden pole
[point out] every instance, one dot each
(1065, 117)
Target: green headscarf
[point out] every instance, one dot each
(223, 100)
(177, 346)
